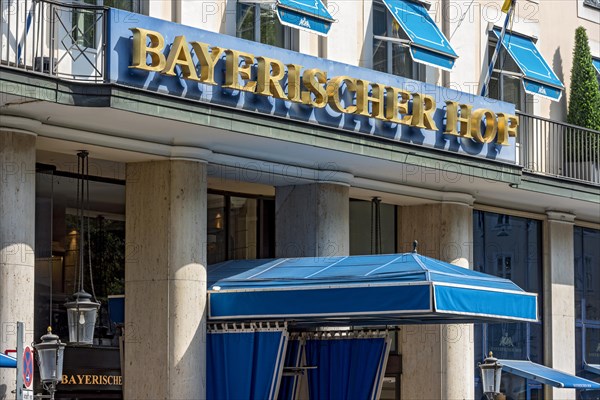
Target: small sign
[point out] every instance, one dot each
(27, 367)
(27, 394)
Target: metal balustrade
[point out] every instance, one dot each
(63, 40)
(559, 149)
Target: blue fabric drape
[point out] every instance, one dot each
(292, 359)
(244, 365)
(347, 369)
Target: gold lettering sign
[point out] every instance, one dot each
(268, 76)
(89, 379)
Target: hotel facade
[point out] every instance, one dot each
(223, 131)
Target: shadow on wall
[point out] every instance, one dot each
(2, 392)
(558, 109)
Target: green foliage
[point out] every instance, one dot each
(584, 99)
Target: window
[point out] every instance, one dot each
(259, 23)
(510, 247)
(592, 3)
(372, 228)
(57, 249)
(87, 21)
(391, 52)
(505, 83)
(587, 301)
(239, 227)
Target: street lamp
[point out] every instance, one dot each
(491, 373)
(82, 311)
(50, 354)
(81, 314)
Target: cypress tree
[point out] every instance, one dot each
(584, 99)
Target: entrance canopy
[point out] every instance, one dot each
(547, 376)
(7, 361)
(379, 289)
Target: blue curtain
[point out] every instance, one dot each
(347, 369)
(292, 359)
(244, 365)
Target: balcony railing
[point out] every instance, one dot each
(559, 149)
(68, 41)
(63, 40)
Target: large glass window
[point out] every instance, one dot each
(372, 227)
(258, 22)
(510, 247)
(57, 251)
(390, 51)
(587, 302)
(239, 227)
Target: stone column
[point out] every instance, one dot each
(559, 299)
(438, 360)
(312, 220)
(165, 281)
(17, 236)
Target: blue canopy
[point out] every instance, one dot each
(538, 77)
(596, 62)
(310, 15)
(378, 289)
(7, 361)
(547, 376)
(428, 45)
(595, 368)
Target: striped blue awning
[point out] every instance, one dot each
(428, 45)
(547, 376)
(310, 15)
(7, 361)
(379, 289)
(538, 77)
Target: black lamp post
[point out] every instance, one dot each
(491, 374)
(50, 355)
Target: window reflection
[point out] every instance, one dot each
(363, 228)
(239, 228)
(259, 23)
(510, 247)
(587, 303)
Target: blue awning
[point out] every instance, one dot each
(7, 361)
(310, 15)
(547, 376)
(595, 368)
(428, 45)
(538, 77)
(596, 62)
(378, 289)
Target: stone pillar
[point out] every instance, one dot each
(165, 281)
(312, 220)
(17, 236)
(438, 360)
(559, 299)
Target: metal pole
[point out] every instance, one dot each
(20, 351)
